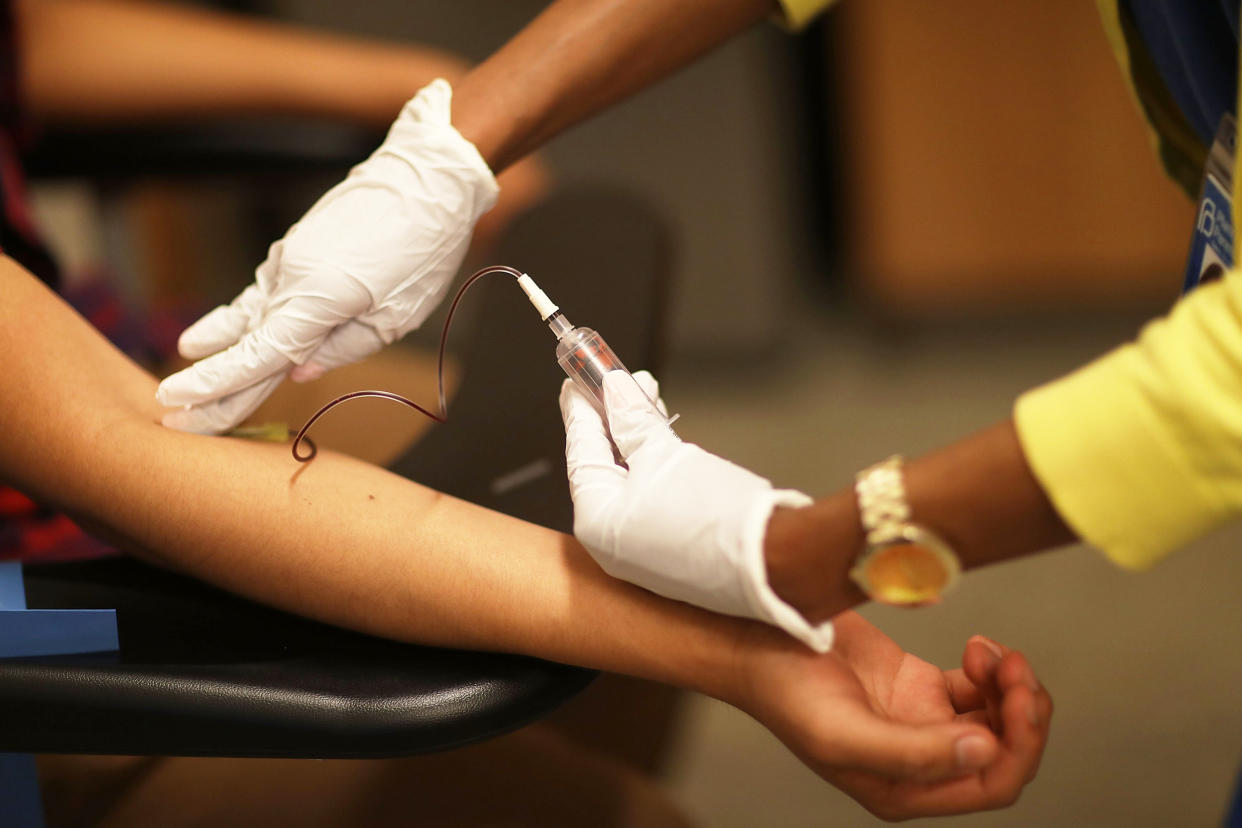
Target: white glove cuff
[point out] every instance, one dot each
(764, 602)
(425, 127)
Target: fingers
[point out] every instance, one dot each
(588, 451)
(980, 660)
(1023, 710)
(1024, 717)
(249, 362)
(287, 336)
(223, 326)
(346, 344)
(963, 693)
(1019, 708)
(1026, 713)
(919, 753)
(223, 414)
(632, 418)
(650, 387)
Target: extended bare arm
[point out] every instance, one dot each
(355, 545)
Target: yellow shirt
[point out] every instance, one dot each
(1141, 451)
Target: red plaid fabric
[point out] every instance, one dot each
(29, 531)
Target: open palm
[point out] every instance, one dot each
(899, 735)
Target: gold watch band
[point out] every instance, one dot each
(902, 563)
(882, 500)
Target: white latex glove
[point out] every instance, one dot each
(365, 266)
(678, 521)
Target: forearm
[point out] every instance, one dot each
(580, 56)
(336, 539)
(979, 494)
(1138, 453)
(106, 60)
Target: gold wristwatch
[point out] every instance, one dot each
(902, 563)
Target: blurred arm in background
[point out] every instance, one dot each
(128, 61)
(122, 61)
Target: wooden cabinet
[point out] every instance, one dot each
(995, 160)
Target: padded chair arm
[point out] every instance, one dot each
(204, 673)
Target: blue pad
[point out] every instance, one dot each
(25, 632)
(12, 590)
(19, 791)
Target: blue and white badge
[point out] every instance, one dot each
(1211, 246)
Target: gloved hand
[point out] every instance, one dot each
(678, 521)
(365, 266)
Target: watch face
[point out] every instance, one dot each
(909, 572)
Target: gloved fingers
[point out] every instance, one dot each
(223, 414)
(223, 326)
(651, 387)
(632, 419)
(346, 344)
(588, 451)
(253, 359)
(287, 337)
(267, 274)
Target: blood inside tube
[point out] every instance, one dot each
(586, 358)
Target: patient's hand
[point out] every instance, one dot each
(899, 735)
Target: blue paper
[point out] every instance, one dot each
(19, 791)
(26, 632)
(12, 590)
(57, 632)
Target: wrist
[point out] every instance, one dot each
(761, 652)
(809, 552)
(980, 495)
(499, 121)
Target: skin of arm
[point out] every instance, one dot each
(581, 56)
(353, 545)
(336, 539)
(979, 494)
(91, 61)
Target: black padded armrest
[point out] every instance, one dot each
(204, 673)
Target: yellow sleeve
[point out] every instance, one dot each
(1141, 451)
(797, 13)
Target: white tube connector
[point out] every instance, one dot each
(545, 306)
